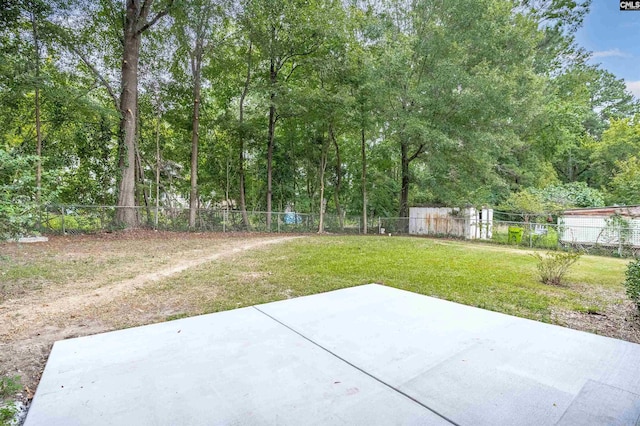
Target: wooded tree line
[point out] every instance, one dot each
(358, 107)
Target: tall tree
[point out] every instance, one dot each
(284, 32)
(456, 82)
(128, 26)
(197, 25)
(35, 11)
(137, 19)
(365, 29)
(241, 137)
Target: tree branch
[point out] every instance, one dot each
(144, 10)
(96, 73)
(312, 49)
(155, 19)
(209, 47)
(418, 152)
(293, 68)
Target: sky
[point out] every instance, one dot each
(614, 38)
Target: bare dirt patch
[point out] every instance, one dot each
(620, 321)
(605, 310)
(78, 277)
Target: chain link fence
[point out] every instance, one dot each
(608, 240)
(602, 240)
(76, 219)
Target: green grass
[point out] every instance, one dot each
(9, 386)
(495, 278)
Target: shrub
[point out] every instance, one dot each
(632, 282)
(553, 266)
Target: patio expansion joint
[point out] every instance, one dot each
(358, 368)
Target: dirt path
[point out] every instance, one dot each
(29, 326)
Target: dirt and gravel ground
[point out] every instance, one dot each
(56, 290)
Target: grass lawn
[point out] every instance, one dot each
(490, 277)
(80, 285)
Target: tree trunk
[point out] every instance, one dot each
(135, 23)
(157, 168)
(126, 214)
(36, 46)
(245, 90)
(243, 200)
(323, 166)
(193, 196)
(273, 76)
(404, 191)
(310, 193)
(336, 193)
(364, 182)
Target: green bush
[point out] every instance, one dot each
(632, 282)
(553, 266)
(73, 223)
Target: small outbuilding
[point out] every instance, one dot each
(469, 223)
(606, 226)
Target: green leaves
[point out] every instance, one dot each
(553, 266)
(452, 105)
(17, 208)
(624, 188)
(552, 199)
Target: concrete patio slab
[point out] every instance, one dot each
(233, 368)
(471, 365)
(359, 356)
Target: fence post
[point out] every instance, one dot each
(379, 226)
(530, 236)
(278, 219)
(359, 225)
(62, 220)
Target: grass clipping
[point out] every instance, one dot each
(553, 266)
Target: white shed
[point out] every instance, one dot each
(468, 223)
(601, 226)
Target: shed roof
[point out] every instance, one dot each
(604, 211)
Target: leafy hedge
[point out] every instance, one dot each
(632, 282)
